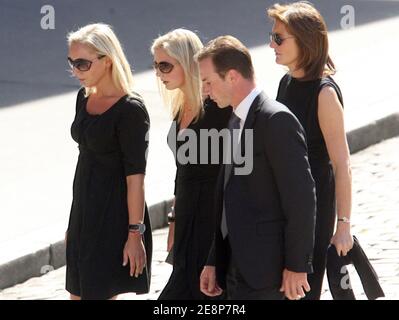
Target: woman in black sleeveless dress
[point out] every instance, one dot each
(108, 251)
(300, 42)
(192, 232)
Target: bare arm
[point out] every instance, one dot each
(135, 198)
(134, 250)
(331, 120)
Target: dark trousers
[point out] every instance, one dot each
(324, 230)
(238, 289)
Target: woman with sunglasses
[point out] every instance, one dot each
(192, 220)
(300, 42)
(108, 241)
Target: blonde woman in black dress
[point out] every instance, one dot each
(192, 232)
(109, 242)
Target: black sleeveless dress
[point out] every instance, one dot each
(301, 97)
(194, 203)
(112, 146)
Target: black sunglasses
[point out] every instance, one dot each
(163, 66)
(277, 38)
(82, 64)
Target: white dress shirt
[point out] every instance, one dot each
(243, 108)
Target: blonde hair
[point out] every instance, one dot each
(102, 40)
(182, 45)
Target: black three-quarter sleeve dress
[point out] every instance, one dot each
(194, 202)
(112, 146)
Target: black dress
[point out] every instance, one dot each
(194, 204)
(112, 146)
(301, 97)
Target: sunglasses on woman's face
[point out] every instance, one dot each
(82, 64)
(163, 66)
(277, 38)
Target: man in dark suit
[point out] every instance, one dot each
(265, 218)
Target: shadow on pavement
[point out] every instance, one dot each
(33, 61)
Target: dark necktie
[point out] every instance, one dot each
(233, 126)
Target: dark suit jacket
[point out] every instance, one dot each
(270, 212)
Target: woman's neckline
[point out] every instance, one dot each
(299, 80)
(100, 114)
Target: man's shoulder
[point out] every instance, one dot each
(274, 115)
(269, 107)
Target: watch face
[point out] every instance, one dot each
(140, 227)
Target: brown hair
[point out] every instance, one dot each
(308, 27)
(228, 53)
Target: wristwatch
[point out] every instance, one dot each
(138, 227)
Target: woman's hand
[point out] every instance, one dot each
(342, 239)
(134, 253)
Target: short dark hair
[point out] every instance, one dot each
(228, 53)
(308, 27)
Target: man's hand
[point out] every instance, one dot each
(294, 284)
(208, 284)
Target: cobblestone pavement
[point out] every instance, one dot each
(375, 221)
(375, 214)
